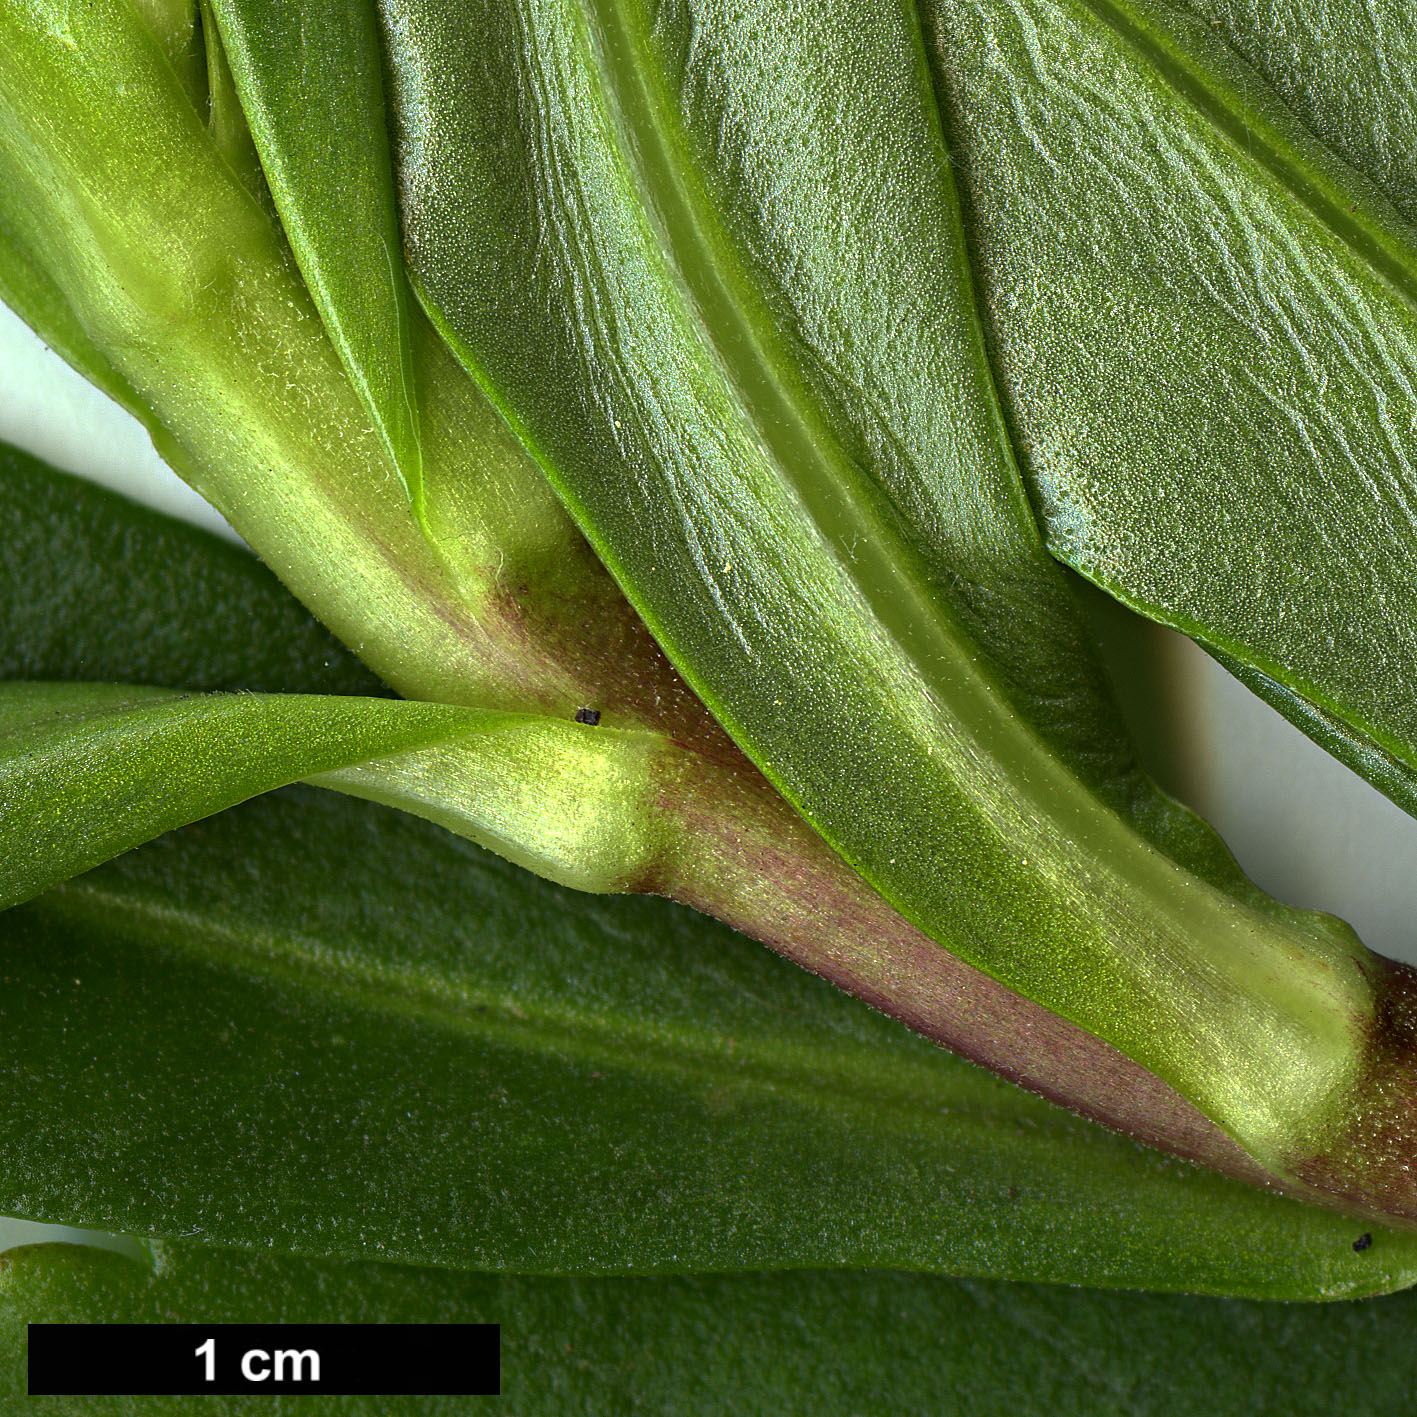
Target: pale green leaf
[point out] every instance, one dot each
(89, 770)
(310, 77)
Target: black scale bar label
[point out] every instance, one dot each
(190, 1360)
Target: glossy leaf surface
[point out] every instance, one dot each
(329, 1028)
(830, 1344)
(709, 263)
(1209, 363)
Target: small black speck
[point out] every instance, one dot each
(590, 716)
(1362, 1243)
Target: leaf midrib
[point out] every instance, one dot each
(1252, 135)
(805, 454)
(866, 1088)
(831, 489)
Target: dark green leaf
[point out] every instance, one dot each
(830, 1345)
(1209, 362)
(95, 587)
(335, 1030)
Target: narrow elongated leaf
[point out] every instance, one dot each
(831, 1345)
(638, 820)
(366, 975)
(226, 121)
(309, 73)
(325, 1028)
(1210, 363)
(134, 248)
(89, 770)
(177, 27)
(709, 262)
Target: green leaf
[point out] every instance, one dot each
(333, 1030)
(908, 590)
(1344, 71)
(136, 250)
(157, 256)
(1209, 364)
(88, 771)
(95, 587)
(642, 822)
(309, 75)
(318, 1026)
(226, 122)
(711, 267)
(824, 1344)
